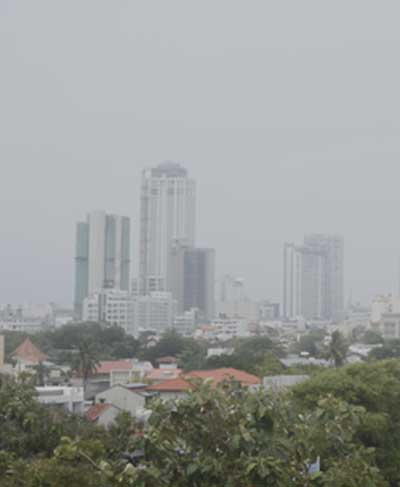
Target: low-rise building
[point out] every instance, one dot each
(27, 356)
(389, 326)
(102, 414)
(130, 399)
(155, 312)
(180, 387)
(112, 306)
(280, 383)
(69, 398)
(27, 318)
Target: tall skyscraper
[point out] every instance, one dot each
(191, 279)
(168, 214)
(313, 278)
(102, 258)
(292, 280)
(331, 247)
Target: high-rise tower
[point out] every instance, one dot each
(168, 215)
(313, 278)
(102, 258)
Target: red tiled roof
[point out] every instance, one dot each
(163, 374)
(219, 375)
(107, 366)
(172, 385)
(29, 352)
(95, 411)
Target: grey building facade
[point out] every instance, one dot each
(313, 278)
(192, 279)
(102, 256)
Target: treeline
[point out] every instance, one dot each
(339, 429)
(254, 355)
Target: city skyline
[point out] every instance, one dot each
(277, 296)
(283, 131)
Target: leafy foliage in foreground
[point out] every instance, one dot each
(374, 386)
(217, 436)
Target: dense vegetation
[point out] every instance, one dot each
(348, 417)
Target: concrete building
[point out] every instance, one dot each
(280, 383)
(112, 306)
(154, 312)
(245, 310)
(186, 323)
(269, 311)
(102, 414)
(102, 256)
(191, 278)
(231, 289)
(332, 248)
(384, 305)
(69, 398)
(233, 303)
(125, 398)
(168, 214)
(313, 275)
(27, 318)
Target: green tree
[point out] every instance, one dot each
(170, 344)
(311, 342)
(193, 355)
(86, 361)
(372, 337)
(42, 373)
(390, 349)
(374, 386)
(338, 348)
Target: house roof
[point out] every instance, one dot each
(163, 374)
(108, 366)
(167, 360)
(95, 411)
(172, 385)
(28, 352)
(182, 383)
(220, 375)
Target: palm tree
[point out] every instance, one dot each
(42, 372)
(338, 348)
(86, 361)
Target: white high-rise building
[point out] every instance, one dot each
(168, 215)
(102, 258)
(313, 278)
(292, 281)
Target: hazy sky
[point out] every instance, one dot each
(287, 113)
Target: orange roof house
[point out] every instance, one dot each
(226, 374)
(28, 352)
(171, 385)
(108, 366)
(159, 375)
(183, 384)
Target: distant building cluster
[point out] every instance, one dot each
(174, 285)
(175, 282)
